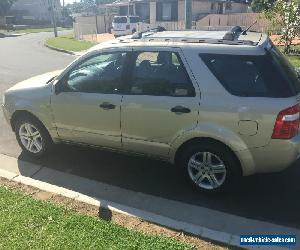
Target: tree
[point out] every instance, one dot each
(286, 14)
(86, 5)
(262, 5)
(83, 6)
(5, 6)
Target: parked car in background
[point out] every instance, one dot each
(125, 25)
(218, 104)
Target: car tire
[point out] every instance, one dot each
(32, 136)
(210, 167)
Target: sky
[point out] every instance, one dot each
(68, 1)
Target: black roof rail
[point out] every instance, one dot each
(233, 33)
(139, 35)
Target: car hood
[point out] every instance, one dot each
(36, 81)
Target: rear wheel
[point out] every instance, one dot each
(32, 136)
(210, 167)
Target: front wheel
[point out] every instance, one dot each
(210, 167)
(32, 137)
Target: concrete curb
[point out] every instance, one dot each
(30, 170)
(60, 50)
(2, 35)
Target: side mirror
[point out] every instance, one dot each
(60, 85)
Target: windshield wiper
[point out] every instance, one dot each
(51, 79)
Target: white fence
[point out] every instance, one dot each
(219, 21)
(91, 25)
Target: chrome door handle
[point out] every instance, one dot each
(107, 106)
(180, 109)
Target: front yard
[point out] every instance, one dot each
(27, 223)
(69, 43)
(295, 60)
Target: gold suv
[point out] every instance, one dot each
(219, 104)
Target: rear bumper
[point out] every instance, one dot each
(120, 32)
(274, 157)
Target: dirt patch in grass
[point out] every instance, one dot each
(117, 218)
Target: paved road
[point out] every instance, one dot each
(272, 197)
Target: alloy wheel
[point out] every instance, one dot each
(31, 138)
(207, 170)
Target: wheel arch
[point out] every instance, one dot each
(24, 113)
(206, 140)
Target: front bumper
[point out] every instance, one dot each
(6, 113)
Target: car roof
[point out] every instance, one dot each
(126, 16)
(190, 38)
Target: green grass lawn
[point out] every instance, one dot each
(38, 30)
(69, 43)
(26, 223)
(295, 60)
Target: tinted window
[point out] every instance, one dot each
(161, 74)
(120, 19)
(286, 69)
(134, 19)
(255, 76)
(99, 74)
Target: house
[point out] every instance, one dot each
(35, 11)
(174, 10)
(139, 8)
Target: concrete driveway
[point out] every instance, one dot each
(271, 198)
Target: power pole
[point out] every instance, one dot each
(188, 14)
(53, 17)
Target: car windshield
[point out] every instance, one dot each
(120, 19)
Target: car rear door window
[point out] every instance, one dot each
(246, 75)
(159, 73)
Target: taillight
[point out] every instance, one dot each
(287, 123)
(128, 27)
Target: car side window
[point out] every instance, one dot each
(134, 19)
(98, 74)
(159, 74)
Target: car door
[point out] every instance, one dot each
(160, 101)
(86, 105)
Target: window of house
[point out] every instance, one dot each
(166, 11)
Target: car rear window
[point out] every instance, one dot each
(120, 19)
(267, 75)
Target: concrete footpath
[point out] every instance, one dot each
(201, 221)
